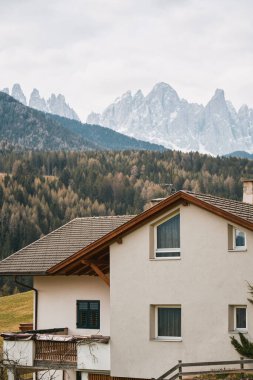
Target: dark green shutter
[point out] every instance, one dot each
(94, 315)
(88, 314)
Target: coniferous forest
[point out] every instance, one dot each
(40, 191)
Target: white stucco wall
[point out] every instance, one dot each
(57, 302)
(95, 356)
(204, 282)
(19, 352)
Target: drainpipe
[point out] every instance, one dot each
(36, 300)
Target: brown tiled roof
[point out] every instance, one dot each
(234, 211)
(240, 209)
(58, 245)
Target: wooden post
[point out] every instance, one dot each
(180, 370)
(242, 367)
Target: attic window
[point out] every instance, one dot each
(168, 238)
(236, 239)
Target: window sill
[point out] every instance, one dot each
(242, 331)
(238, 250)
(179, 339)
(165, 258)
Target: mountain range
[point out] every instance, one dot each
(23, 127)
(162, 117)
(55, 104)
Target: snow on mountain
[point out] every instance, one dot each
(162, 117)
(55, 104)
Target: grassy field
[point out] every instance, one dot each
(14, 310)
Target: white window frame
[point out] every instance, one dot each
(167, 338)
(238, 328)
(239, 247)
(161, 250)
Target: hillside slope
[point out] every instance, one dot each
(26, 128)
(104, 137)
(14, 310)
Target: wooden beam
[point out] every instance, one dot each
(97, 271)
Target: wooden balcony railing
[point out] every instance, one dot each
(55, 352)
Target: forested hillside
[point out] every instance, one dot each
(27, 128)
(41, 191)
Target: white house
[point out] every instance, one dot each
(138, 293)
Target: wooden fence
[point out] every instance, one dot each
(180, 366)
(98, 376)
(56, 352)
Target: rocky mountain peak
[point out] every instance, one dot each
(162, 117)
(243, 110)
(17, 93)
(217, 104)
(55, 104)
(163, 97)
(219, 93)
(139, 94)
(37, 102)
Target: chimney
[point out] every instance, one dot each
(247, 191)
(155, 201)
(152, 203)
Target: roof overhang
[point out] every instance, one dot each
(23, 273)
(77, 263)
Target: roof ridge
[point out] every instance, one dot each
(101, 216)
(215, 196)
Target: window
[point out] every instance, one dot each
(236, 239)
(240, 318)
(168, 238)
(239, 239)
(237, 318)
(88, 314)
(165, 322)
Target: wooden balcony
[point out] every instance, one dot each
(36, 350)
(47, 351)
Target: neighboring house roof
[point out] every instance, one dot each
(68, 249)
(58, 245)
(234, 211)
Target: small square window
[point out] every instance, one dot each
(88, 314)
(166, 322)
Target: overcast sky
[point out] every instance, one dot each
(92, 51)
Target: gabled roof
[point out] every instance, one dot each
(60, 244)
(68, 249)
(234, 211)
